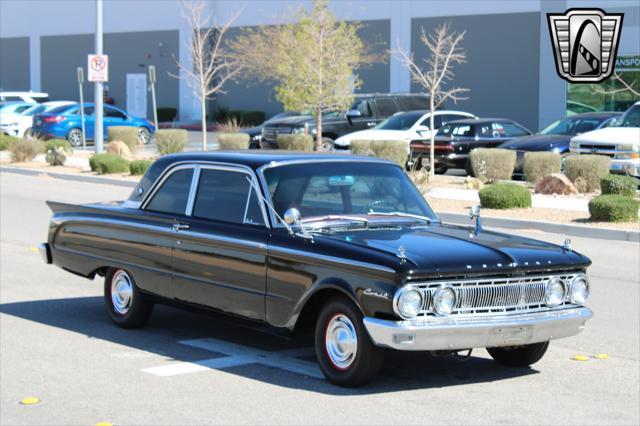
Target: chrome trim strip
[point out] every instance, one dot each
(341, 261)
(168, 230)
(448, 333)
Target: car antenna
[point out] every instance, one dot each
(264, 200)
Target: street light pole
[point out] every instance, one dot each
(99, 93)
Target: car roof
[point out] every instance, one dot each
(257, 158)
(480, 120)
(598, 114)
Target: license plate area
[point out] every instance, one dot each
(510, 336)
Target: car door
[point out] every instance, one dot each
(165, 206)
(220, 254)
(113, 117)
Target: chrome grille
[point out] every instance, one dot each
(493, 295)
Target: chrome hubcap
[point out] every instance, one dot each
(121, 292)
(341, 341)
(75, 137)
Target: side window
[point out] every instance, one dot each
(386, 107)
(172, 197)
(509, 130)
(485, 131)
(113, 113)
(226, 196)
(362, 105)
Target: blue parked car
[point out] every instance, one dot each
(65, 123)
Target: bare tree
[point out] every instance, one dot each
(436, 71)
(212, 64)
(627, 87)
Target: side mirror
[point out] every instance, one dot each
(292, 216)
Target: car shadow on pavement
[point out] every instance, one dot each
(169, 326)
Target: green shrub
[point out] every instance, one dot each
(25, 149)
(540, 164)
(247, 118)
(505, 196)
(166, 113)
(139, 167)
(126, 134)
(6, 141)
(170, 141)
(108, 163)
(619, 184)
(56, 156)
(614, 208)
(62, 144)
(295, 142)
(233, 141)
(590, 167)
(493, 164)
(396, 151)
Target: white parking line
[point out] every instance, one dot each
(237, 355)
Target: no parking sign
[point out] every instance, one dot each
(98, 66)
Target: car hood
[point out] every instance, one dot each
(538, 143)
(440, 249)
(612, 135)
(374, 134)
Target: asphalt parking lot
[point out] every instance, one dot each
(57, 344)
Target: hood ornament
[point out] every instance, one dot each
(474, 213)
(402, 254)
(567, 245)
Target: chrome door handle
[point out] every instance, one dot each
(180, 226)
(371, 123)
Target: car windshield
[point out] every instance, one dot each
(631, 118)
(572, 126)
(400, 121)
(346, 188)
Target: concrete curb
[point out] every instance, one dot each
(456, 218)
(556, 228)
(70, 176)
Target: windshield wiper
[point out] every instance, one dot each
(401, 214)
(335, 217)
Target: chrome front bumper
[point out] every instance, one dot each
(450, 333)
(45, 253)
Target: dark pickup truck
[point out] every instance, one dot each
(366, 112)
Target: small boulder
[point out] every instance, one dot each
(555, 183)
(119, 148)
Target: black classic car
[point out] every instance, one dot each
(344, 247)
(557, 135)
(456, 139)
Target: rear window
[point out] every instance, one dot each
(386, 106)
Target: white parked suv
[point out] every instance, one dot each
(621, 142)
(402, 126)
(19, 124)
(28, 97)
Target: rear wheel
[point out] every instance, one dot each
(346, 354)
(75, 137)
(519, 356)
(144, 136)
(127, 307)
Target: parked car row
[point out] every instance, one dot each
(63, 120)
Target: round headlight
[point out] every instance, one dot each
(409, 303)
(554, 292)
(444, 300)
(579, 289)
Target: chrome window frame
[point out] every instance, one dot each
(198, 166)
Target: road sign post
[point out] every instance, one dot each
(99, 73)
(80, 82)
(152, 84)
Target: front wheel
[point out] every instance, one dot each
(127, 307)
(519, 356)
(346, 354)
(144, 136)
(327, 145)
(75, 137)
